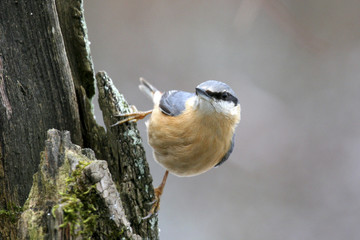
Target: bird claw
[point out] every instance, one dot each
(131, 117)
(148, 216)
(152, 202)
(156, 202)
(154, 209)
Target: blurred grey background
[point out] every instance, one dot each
(295, 66)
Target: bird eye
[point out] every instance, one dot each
(224, 95)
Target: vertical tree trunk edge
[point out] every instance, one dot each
(47, 80)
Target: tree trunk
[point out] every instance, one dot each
(47, 81)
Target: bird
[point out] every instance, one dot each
(190, 133)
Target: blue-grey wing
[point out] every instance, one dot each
(172, 103)
(228, 152)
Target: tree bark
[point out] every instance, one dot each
(47, 81)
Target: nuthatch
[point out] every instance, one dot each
(190, 133)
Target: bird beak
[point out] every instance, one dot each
(201, 93)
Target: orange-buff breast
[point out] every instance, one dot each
(189, 144)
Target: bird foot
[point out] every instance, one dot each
(155, 204)
(131, 117)
(157, 192)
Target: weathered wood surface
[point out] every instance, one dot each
(47, 81)
(127, 159)
(72, 182)
(37, 91)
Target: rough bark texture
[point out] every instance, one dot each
(37, 93)
(74, 188)
(47, 81)
(126, 157)
(73, 27)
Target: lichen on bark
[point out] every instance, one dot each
(49, 81)
(127, 156)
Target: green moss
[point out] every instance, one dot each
(35, 227)
(11, 213)
(78, 203)
(44, 187)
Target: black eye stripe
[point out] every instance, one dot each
(223, 96)
(216, 95)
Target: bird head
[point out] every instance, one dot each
(217, 97)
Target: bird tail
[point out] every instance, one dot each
(148, 89)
